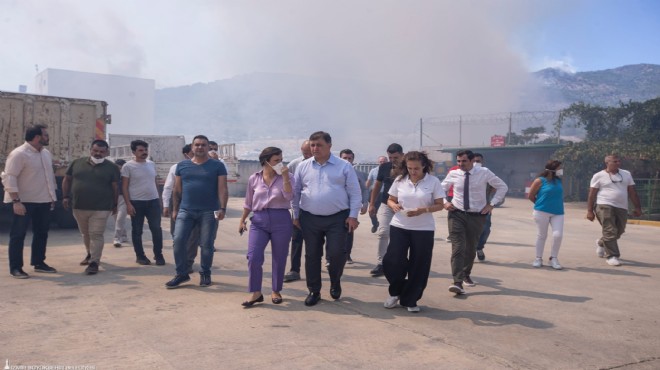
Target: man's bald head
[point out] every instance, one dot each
(306, 149)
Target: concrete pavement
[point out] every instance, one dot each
(589, 315)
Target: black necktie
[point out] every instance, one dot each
(466, 192)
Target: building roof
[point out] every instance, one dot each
(503, 148)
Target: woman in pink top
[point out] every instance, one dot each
(268, 197)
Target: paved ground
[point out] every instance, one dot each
(589, 315)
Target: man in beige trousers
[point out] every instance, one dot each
(90, 188)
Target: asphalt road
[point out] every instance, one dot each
(588, 315)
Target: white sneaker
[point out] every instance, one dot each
(555, 263)
(414, 309)
(600, 251)
(613, 261)
(391, 302)
(538, 262)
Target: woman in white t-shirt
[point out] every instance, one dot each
(414, 195)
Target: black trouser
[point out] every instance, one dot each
(449, 219)
(151, 210)
(296, 249)
(408, 255)
(374, 218)
(466, 228)
(39, 213)
(320, 230)
(349, 244)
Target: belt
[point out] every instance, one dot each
(468, 213)
(334, 214)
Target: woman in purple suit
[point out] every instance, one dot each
(268, 197)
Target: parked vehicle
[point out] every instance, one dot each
(165, 150)
(72, 125)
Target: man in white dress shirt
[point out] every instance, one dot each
(468, 210)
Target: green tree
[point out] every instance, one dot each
(527, 136)
(531, 134)
(631, 130)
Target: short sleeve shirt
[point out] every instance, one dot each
(612, 188)
(141, 180)
(411, 196)
(199, 184)
(386, 178)
(91, 187)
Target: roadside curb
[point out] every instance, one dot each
(644, 223)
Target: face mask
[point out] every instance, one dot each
(277, 168)
(477, 164)
(560, 173)
(97, 160)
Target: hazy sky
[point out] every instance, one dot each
(180, 42)
(386, 63)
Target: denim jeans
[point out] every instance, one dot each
(39, 213)
(484, 234)
(186, 220)
(151, 210)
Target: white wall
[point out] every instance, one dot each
(130, 100)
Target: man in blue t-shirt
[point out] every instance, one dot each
(199, 199)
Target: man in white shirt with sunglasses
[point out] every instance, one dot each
(608, 201)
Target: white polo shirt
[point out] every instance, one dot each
(612, 188)
(413, 196)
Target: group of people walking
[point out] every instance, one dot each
(315, 202)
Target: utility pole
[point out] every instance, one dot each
(508, 138)
(421, 120)
(558, 132)
(460, 131)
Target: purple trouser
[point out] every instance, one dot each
(274, 225)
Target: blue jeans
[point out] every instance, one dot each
(39, 213)
(186, 220)
(484, 234)
(151, 210)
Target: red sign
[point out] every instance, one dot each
(497, 140)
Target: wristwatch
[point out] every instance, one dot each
(17, 200)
